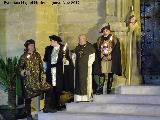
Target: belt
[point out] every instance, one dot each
(53, 65)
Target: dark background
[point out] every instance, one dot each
(150, 19)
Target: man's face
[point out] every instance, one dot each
(53, 43)
(31, 47)
(106, 32)
(82, 39)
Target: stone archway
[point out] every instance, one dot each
(117, 13)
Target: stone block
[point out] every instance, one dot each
(89, 7)
(81, 28)
(78, 18)
(125, 109)
(126, 99)
(90, 116)
(138, 90)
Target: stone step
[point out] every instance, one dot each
(133, 99)
(127, 109)
(138, 90)
(91, 116)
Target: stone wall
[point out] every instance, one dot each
(83, 18)
(67, 20)
(46, 24)
(22, 22)
(3, 49)
(117, 14)
(20, 26)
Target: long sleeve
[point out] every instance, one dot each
(45, 59)
(91, 59)
(21, 63)
(68, 59)
(40, 63)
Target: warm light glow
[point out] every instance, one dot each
(132, 8)
(65, 46)
(28, 56)
(105, 44)
(111, 38)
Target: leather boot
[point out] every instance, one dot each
(28, 109)
(109, 84)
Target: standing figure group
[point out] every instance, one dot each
(47, 77)
(61, 72)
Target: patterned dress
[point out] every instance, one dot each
(31, 83)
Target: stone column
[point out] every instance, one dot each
(136, 5)
(117, 12)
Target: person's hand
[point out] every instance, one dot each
(43, 79)
(27, 72)
(73, 56)
(45, 66)
(65, 61)
(23, 72)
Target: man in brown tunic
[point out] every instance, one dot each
(109, 46)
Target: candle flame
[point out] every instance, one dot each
(111, 38)
(28, 56)
(65, 46)
(132, 8)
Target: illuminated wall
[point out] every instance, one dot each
(46, 24)
(67, 20)
(3, 49)
(83, 18)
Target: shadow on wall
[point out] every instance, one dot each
(93, 33)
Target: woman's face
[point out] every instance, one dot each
(133, 19)
(31, 47)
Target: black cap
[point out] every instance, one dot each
(105, 27)
(30, 41)
(55, 38)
